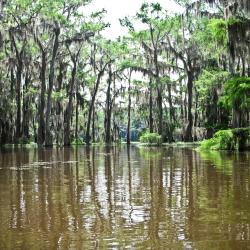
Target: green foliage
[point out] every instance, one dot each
(231, 139)
(78, 141)
(241, 132)
(151, 138)
(218, 28)
(237, 93)
(208, 81)
(211, 36)
(222, 140)
(150, 153)
(59, 95)
(219, 159)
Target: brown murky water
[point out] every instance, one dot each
(119, 198)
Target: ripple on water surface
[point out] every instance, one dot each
(124, 198)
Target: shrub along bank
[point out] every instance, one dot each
(231, 139)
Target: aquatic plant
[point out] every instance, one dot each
(151, 138)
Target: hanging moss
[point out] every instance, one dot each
(232, 5)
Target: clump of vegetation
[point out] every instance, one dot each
(151, 138)
(237, 92)
(222, 140)
(218, 29)
(78, 141)
(242, 138)
(231, 139)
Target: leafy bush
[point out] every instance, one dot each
(222, 140)
(231, 139)
(78, 141)
(151, 138)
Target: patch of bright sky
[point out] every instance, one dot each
(117, 9)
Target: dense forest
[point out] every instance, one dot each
(183, 76)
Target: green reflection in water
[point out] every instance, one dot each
(222, 161)
(150, 152)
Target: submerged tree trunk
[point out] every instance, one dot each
(171, 115)
(77, 116)
(188, 132)
(18, 99)
(68, 111)
(170, 101)
(41, 128)
(151, 120)
(93, 125)
(25, 126)
(92, 103)
(19, 70)
(48, 134)
(108, 113)
(160, 112)
(129, 109)
(59, 108)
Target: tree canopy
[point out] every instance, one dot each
(182, 75)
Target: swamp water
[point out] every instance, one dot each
(124, 198)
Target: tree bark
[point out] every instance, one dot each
(93, 125)
(59, 109)
(41, 128)
(48, 134)
(92, 103)
(129, 109)
(171, 108)
(68, 111)
(151, 120)
(18, 99)
(188, 132)
(77, 116)
(25, 125)
(160, 112)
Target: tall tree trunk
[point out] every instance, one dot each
(41, 128)
(129, 108)
(59, 109)
(151, 120)
(181, 103)
(48, 134)
(171, 108)
(93, 125)
(18, 99)
(68, 111)
(159, 92)
(160, 111)
(171, 114)
(107, 122)
(25, 126)
(88, 137)
(77, 116)
(92, 103)
(185, 107)
(188, 132)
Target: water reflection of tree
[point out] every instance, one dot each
(178, 197)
